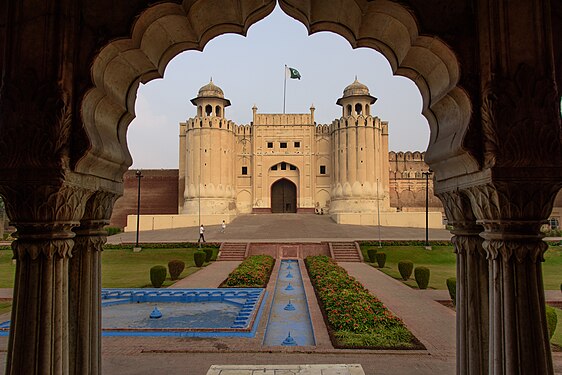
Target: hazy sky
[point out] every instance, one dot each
(250, 70)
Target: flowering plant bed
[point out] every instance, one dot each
(254, 272)
(355, 318)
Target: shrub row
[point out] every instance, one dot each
(174, 245)
(404, 243)
(421, 274)
(158, 276)
(253, 272)
(348, 306)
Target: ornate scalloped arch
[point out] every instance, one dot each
(164, 30)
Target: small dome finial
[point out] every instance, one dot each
(355, 78)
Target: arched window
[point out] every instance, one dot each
(348, 110)
(208, 110)
(358, 108)
(218, 111)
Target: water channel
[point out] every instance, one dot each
(289, 321)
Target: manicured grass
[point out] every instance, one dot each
(441, 262)
(7, 269)
(557, 338)
(121, 268)
(126, 269)
(5, 307)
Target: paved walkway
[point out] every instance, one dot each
(282, 228)
(209, 277)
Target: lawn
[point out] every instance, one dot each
(5, 307)
(441, 262)
(126, 269)
(121, 268)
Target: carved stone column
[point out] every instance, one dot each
(85, 285)
(44, 217)
(472, 285)
(512, 214)
(521, 173)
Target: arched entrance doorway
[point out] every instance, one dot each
(283, 197)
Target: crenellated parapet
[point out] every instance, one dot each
(283, 119)
(207, 122)
(323, 129)
(359, 121)
(243, 130)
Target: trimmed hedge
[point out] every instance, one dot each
(551, 320)
(253, 272)
(405, 267)
(199, 258)
(351, 312)
(381, 259)
(174, 245)
(372, 254)
(158, 276)
(208, 254)
(176, 267)
(452, 287)
(404, 243)
(421, 274)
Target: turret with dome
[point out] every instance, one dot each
(210, 101)
(356, 100)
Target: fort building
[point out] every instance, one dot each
(287, 163)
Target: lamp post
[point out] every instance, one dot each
(139, 176)
(426, 174)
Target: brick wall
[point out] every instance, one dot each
(159, 195)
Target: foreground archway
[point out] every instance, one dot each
(495, 146)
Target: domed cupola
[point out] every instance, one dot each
(210, 100)
(210, 90)
(356, 99)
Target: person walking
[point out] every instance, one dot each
(201, 234)
(223, 226)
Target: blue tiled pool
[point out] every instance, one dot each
(185, 312)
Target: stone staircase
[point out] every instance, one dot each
(345, 252)
(233, 251)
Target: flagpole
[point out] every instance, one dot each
(284, 86)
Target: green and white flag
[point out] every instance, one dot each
(293, 73)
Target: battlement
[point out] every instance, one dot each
(406, 156)
(283, 119)
(243, 129)
(323, 129)
(209, 122)
(351, 121)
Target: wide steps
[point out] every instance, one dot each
(345, 252)
(232, 251)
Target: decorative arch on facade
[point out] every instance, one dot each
(322, 200)
(244, 201)
(284, 196)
